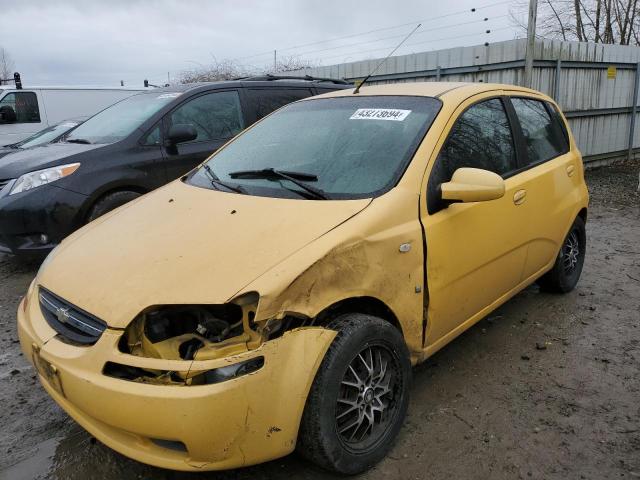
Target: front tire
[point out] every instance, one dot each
(359, 398)
(564, 275)
(111, 202)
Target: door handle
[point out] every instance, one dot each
(519, 197)
(570, 170)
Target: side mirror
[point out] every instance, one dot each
(180, 133)
(472, 185)
(7, 114)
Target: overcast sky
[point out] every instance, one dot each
(82, 42)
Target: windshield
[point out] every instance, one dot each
(120, 120)
(47, 135)
(345, 147)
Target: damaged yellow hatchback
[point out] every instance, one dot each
(276, 297)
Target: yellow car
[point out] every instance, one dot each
(275, 298)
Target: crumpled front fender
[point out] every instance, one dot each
(360, 258)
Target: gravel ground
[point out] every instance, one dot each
(546, 387)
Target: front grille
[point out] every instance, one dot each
(4, 183)
(71, 322)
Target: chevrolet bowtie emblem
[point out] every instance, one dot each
(62, 314)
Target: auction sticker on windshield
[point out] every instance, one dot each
(380, 114)
(170, 95)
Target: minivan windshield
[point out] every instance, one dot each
(330, 148)
(120, 120)
(47, 135)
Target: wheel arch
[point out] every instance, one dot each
(99, 196)
(583, 214)
(366, 304)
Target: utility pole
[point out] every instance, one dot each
(531, 43)
(275, 61)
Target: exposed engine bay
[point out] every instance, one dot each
(196, 332)
(190, 332)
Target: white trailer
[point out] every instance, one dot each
(24, 111)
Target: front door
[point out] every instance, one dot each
(217, 117)
(475, 251)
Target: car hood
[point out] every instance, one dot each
(183, 245)
(19, 162)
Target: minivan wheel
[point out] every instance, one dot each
(564, 275)
(359, 398)
(110, 202)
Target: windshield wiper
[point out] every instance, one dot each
(294, 177)
(78, 140)
(213, 178)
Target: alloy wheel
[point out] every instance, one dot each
(367, 403)
(571, 252)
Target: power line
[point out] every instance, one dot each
(360, 52)
(442, 27)
(459, 12)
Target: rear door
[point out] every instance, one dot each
(216, 116)
(21, 115)
(550, 175)
(475, 251)
(262, 101)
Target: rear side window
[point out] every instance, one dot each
(543, 136)
(266, 101)
(214, 115)
(480, 138)
(19, 107)
(557, 119)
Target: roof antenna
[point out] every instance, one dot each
(357, 90)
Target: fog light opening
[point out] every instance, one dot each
(223, 374)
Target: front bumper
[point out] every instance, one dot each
(48, 210)
(240, 422)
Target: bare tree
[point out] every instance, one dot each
(230, 69)
(291, 63)
(218, 70)
(598, 21)
(6, 65)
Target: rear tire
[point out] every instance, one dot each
(564, 275)
(111, 202)
(359, 398)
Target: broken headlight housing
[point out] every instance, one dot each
(194, 332)
(198, 333)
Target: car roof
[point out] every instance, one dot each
(275, 83)
(430, 89)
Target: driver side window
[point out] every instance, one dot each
(19, 107)
(480, 138)
(215, 116)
